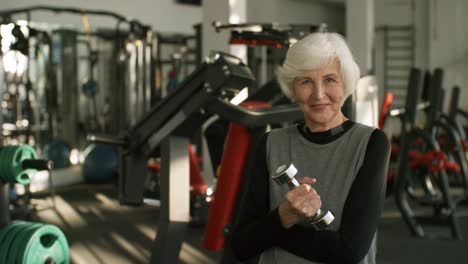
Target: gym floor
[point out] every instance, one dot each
(100, 230)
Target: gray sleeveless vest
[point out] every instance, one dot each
(334, 165)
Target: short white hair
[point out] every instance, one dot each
(313, 52)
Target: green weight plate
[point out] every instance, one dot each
(4, 164)
(3, 232)
(12, 247)
(25, 240)
(22, 238)
(20, 175)
(8, 165)
(2, 173)
(47, 242)
(12, 156)
(8, 239)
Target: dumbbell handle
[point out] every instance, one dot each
(38, 164)
(285, 174)
(293, 184)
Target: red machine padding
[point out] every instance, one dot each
(464, 145)
(255, 42)
(391, 175)
(153, 165)
(452, 167)
(197, 184)
(394, 149)
(415, 158)
(230, 176)
(435, 160)
(438, 160)
(388, 100)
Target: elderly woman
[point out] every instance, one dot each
(341, 164)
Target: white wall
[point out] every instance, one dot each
(360, 27)
(441, 36)
(162, 15)
(407, 12)
(214, 10)
(393, 12)
(448, 45)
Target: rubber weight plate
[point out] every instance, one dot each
(4, 168)
(3, 231)
(47, 242)
(8, 162)
(8, 239)
(22, 238)
(2, 173)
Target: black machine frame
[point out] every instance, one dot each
(169, 125)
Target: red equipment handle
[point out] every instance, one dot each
(388, 100)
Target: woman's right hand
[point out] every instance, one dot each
(301, 202)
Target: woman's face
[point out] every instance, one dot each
(319, 94)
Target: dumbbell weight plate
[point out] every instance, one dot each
(324, 220)
(285, 174)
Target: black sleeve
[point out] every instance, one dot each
(257, 227)
(360, 217)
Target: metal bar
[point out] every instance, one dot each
(106, 140)
(400, 78)
(399, 38)
(398, 48)
(169, 61)
(394, 28)
(454, 101)
(395, 57)
(398, 87)
(78, 11)
(399, 68)
(4, 204)
(38, 164)
(255, 117)
(175, 200)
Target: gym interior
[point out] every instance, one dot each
(131, 123)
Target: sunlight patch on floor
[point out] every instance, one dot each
(190, 254)
(70, 216)
(140, 254)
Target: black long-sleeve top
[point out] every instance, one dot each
(258, 228)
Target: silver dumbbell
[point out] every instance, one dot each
(285, 175)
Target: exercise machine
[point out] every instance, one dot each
(169, 124)
(422, 166)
